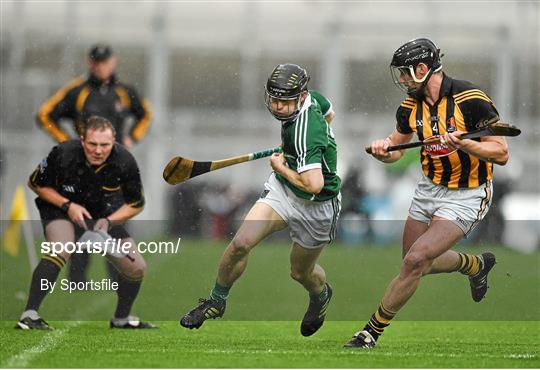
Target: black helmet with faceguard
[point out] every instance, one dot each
(286, 82)
(408, 56)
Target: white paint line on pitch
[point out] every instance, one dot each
(521, 355)
(50, 340)
(349, 352)
(47, 343)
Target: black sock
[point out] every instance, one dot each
(48, 269)
(379, 320)
(127, 292)
(112, 271)
(78, 265)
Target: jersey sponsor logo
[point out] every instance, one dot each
(437, 150)
(419, 123)
(68, 188)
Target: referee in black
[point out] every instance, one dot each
(100, 93)
(74, 185)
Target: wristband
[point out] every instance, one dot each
(65, 207)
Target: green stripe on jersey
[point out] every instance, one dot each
(308, 142)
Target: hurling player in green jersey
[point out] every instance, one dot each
(303, 194)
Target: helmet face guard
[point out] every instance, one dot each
(285, 116)
(405, 60)
(285, 86)
(407, 85)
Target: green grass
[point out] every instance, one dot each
(276, 344)
(439, 327)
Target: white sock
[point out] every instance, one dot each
(31, 314)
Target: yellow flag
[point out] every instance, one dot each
(19, 213)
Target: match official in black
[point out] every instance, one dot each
(74, 185)
(101, 94)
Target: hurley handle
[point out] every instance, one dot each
(265, 153)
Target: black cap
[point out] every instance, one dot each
(100, 52)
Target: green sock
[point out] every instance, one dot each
(220, 292)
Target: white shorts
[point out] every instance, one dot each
(312, 224)
(465, 207)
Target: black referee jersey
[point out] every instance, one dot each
(85, 97)
(100, 189)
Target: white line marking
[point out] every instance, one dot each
(50, 340)
(47, 343)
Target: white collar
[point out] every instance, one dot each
(306, 105)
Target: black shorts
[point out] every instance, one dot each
(48, 213)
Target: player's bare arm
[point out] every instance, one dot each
(124, 213)
(76, 212)
(118, 217)
(490, 149)
(330, 117)
(310, 181)
(379, 147)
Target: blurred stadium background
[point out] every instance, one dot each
(203, 64)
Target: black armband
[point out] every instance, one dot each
(65, 207)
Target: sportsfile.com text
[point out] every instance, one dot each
(110, 246)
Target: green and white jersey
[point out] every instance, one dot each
(308, 142)
(326, 105)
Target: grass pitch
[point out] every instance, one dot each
(439, 327)
(274, 344)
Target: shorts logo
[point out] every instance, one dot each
(462, 222)
(437, 150)
(68, 188)
(264, 193)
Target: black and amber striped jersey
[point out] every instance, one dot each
(461, 106)
(100, 189)
(83, 97)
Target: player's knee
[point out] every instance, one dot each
(415, 262)
(240, 246)
(141, 268)
(298, 275)
(136, 270)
